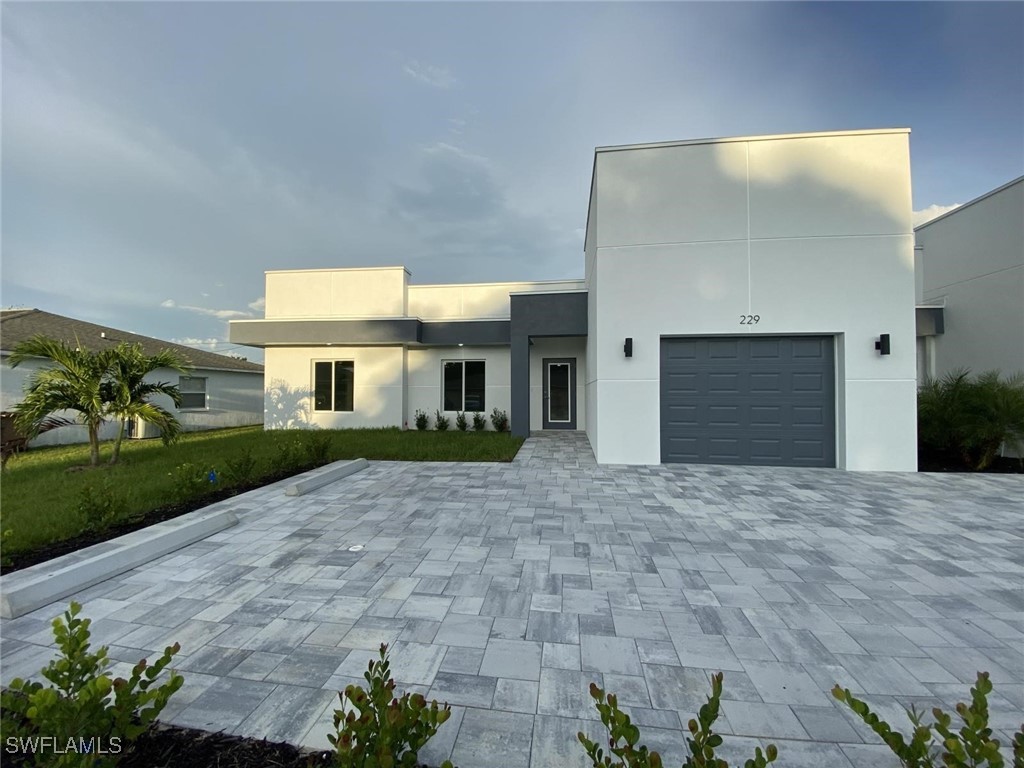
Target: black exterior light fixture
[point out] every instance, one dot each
(882, 345)
(627, 348)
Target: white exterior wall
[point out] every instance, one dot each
(971, 261)
(365, 292)
(234, 399)
(813, 234)
(426, 373)
(378, 398)
(569, 346)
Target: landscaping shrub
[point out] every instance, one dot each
(379, 729)
(191, 481)
(441, 423)
(460, 422)
(242, 469)
(623, 737)
(969, 419)
(288, 454)
(422, 420)
(972, 746)
(100, 505)
(499, 420)
(479, 422)
(318, 448)
(82, 703)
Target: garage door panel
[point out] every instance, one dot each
(807, 382)
(748, 400)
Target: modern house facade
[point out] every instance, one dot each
(733, 296)
(220, 391)
(970, 286)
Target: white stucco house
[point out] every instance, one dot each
(221, 391)
(743, 300)
(970, 286)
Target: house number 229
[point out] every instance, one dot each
(750, 319)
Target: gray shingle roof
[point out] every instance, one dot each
(17, 325)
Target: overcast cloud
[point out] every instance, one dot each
(158, 158)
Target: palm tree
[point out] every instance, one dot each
(75, 383)
(127, 392)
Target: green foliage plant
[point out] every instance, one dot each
(190, 481)
(422, 420)
(5, 558)
(317, 447)
(479, 422)
(938, 743)
(243, 468)
(971, 418)
(374, 729)
(461, 423)
(441, 422)
(83, 702)
(288, 454)
(74, 382)
(101, 504)
(127, 392)
(499, 420)
(624, 737)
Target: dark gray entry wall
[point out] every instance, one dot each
(762, 400)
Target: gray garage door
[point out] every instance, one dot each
(748, 400)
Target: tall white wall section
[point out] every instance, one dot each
(810, 233)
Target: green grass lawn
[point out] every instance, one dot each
(41, 489)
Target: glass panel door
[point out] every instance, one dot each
(559, 393)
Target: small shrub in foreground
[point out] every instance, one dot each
(499, 419)
(623, 737)
(191, 481)
(100, 505)
(242, 469)
(972, 746)
(422, 420)
(441, 423)
(318, 447)
(82, 702)
(460, 422)
(380, 730)
(479, 422)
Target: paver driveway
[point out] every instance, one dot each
(507, 588)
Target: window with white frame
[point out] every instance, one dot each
(333, 385)
(193, 392)
(462, 388)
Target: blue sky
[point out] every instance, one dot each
(158, 157)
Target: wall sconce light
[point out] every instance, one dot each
(627, 348)
(882, 345)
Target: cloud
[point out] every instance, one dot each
(259, 304)
(209, 344)
(931, 212)
(222, 314)
(436, 77)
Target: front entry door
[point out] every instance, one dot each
(559, 393)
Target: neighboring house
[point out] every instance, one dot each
(733, 295)
(970, 286)
(221, 392)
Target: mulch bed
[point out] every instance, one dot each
(946, 463)
(174, 747)
(169, 746)
(167, 512)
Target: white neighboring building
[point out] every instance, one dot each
(970, 286)
(734, 294)
(222, 391)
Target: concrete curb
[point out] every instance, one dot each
(332, 473)
(31, 588)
